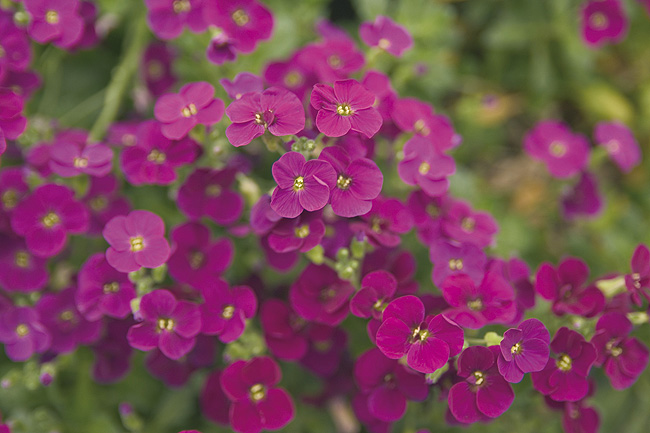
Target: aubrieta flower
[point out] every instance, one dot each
(215, 405)
(363, 414)
(247, 22)
(565, 376)
(14, 44)
(620, 144)
(104, 201)
(221, 48)
(484, 394)
(579, 418)
(553, 143)
(347, 107)
(56, 21)
(20, 270)
(332, 59)
(524, 349)
(638, 282)
(136, 240)
(168, 324)
(327, 347)
(385, 222)
(464, 224)
(622, 357)
(387, 35)
(302, 185)
(22, 333)
(194, 104)
(389, 385)
(517, 273)
(13, 189)
(89, 38)
(290, 74)
(46, 217)
(103, 291)
(243, 83)
(209, 193)
(226, 309)
(156, 68)
(275, 109)
(257, 404)
(196, 259)
(283, 330)
(456, 258)
(426, 167)
(566, 288)
(176, 373)
(583, 199)
(166, 18)
(474, 306)
(69, 158)
(112, 352)
(302, 233)
(12, 122)
(603, 21)
(377, 289)
(413, 115)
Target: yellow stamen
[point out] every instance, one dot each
(558, 149)
(98, 203)
(456, 264)
(344, 109)
(564, 362)
(468, 224)
(343, 182)
(50, 220)
(302, 231)
(166, 324)
(80, 162)
(137, 243)
(475, 305)
(10, 199)
(181, 6)
(299, 183)
(156, 156)
(479, 378)
(258, 392)
(52, 17)
(384, 44)
(228, 312)
(516, 349)
(598, 21)
(189, 111)
(213, 190)
(424, 168)
(196, 259)
(22, 330)
(21, 259)
(113, 287)
(240, 17)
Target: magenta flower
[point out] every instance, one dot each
(622, 357)
(20, 271)
(225, 310)
(69, 159)
(603, 21)
(327, 347)
(474, 306)
(358, 182)
(427, 342)
(263, 218)
(620, 144)
(194, 104)
(104, 201)
(221, 48)
(452, 259)
(377, 289)
(426, 167)
(331, 60)
(292, 75)
(484, 394)
(412, 115)
(583, 199)
(524, 349)
(464, 224)
(389, 385)
(12, 122)
(166, 18)
(176, 373)
(362, 412)
(301, 185)
(168, 324)
(215, 405)
(283, 330)
(246, 21)
(275, 109)
(46, 217)
(579, 418)
(208, 193)
(348, 106)
(302, 233)
(517, 273)
(112, 352)
(196, 260)
(103, 291)
(243, 83)
(387, 35)
(553, 143)
(256, 403)
(566, 288)
(386, 221)
(565, 376)
(22, 333)
(638, 282)
(136, 240)
(156, 68)
(56, 21)
(14, 44)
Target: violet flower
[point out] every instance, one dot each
(524, 349)
(226, 309)
(20, 271)
(464, 224)
(331, 60)
(603, 21)
(243, 83)
(387, 35)
(13, 189)
(215, 405)
(426, 167)
(638, 282)
(22, 333)
(56, 21)
(69, 159)
(104, 201)
(620, 144)
(327, 347)
(385, 222)
(156, 68)
(583, 199)
(283, 330)
(14, 44)
(454, 258)
(302, 233)
(377, 289)
(291, 75)
(413, 115)
(247, 22)
(12, 122)
(166, 18)
(209, 193)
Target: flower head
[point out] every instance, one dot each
(247, 22)
(638, 282)
(69, 158)
(56, 21)
(603, 21)
(426, 167)
(166, 18)
(22, 333)
(243, 83)
(620, 144)
(524, 349)
(387, 35)
(377, 289)
(553, 143)
(226, 309)
(209, 193)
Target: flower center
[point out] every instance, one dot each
(468, 224)
(421, 128)
(2, 52)
(189, 111)
(155, 69)
(334, 61)
(379, 305)
(564, 362)
(636, 278)
(22, 330)
(516, 349)
(137, 243)
(424, 168)
(9, 199)
(66, 316)
(375, 224)
(80, 162)
(166, 324)
(50, 220)
(344, 109)
(52, 17)
(456, 264)
(181, 6)
(228, 312)
(293, 79)
(157, 156)
(259, 119)
(423, 334)
(299, 183)
(558, 149)
(612, 349)
(322, 346)
(383, 43)
(21, 259)
(302, 231)
(196, 259)
(598, 21)
(479, 378)
(343, 182)
(433, 210)
(613, 146)
(98, 203)
(258, 392)
(113, 287)
(475, 305)
(213, 190)
(240, 17)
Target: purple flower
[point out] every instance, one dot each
(176, 373)
(137, 240)
(638, 282)
(566, 288)
(46, 217)
(112, 352)
(427, 342)
(331, 60)
(13, 189)
(412, 115)
(12, 122)
(387, 35)
(388, 384)
(426, 167)
(473, 306)
(168, 324)
(452, 259)
(301, 185)
(208, 193)
(104, 201)
(15, 47)
(292, 75)
(166, 18)
(103, 290)
(387, 219)
(156, 68)
(359, 181)
(196, 260)
(320, 295)
(464, 224)
(565, 376)
(362, 412)
(484, 393)
(553, 143)
(524, 349)
(69, 159)
(256, 403)
(580, 419)
(221, 48)
(215, 405)
(22, 333)
(243, 83)
(283, 330)
(348, 106)
(56, 21)
(622, 357)
(302, 233)
(275, 109)
(377, 289)
(225, 310)
(327, 347)
(245, 21)
(620, 144)
(20, 271)
(583, 199)
(194, 104)
(517, 273)
(603, 21)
